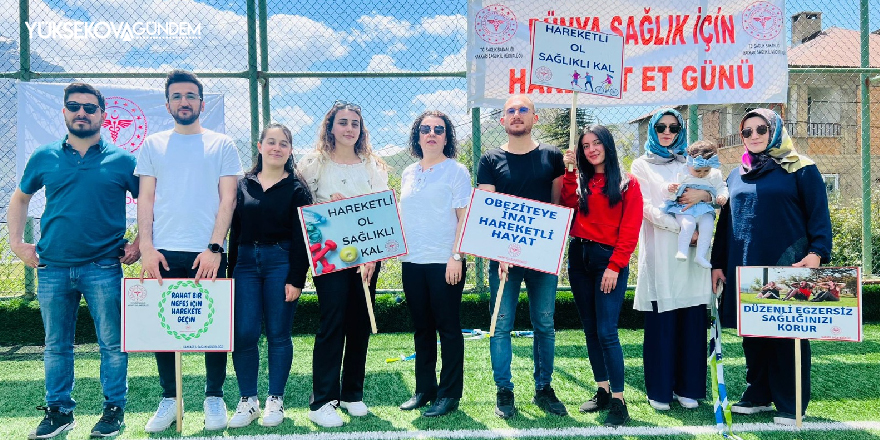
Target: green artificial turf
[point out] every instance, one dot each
(844, 388)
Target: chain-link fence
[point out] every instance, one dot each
(396, 60)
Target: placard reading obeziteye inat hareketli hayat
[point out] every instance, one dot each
(519, 231)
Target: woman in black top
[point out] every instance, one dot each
(268, 260)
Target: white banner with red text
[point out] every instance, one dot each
(676, 52)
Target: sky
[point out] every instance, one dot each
(320, 35)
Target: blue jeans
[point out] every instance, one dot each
(541, 289)
(260, 276)
(599, 311)
(59, 291)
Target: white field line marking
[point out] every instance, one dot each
(593, 431)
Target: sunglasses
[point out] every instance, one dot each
(177, 97)
(73, 106)
(438, 129)
(347, 104)
(673, 128)
(761, 129)
(522, 110)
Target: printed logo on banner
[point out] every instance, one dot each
(392, 246)
(126, 123)
(137, 293)
(514, 250)
(763, 20)
(544, 73)
(495, 24)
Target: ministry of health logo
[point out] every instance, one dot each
(126, 123)
(763, 20)
(495, 24)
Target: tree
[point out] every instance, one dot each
(557, 126)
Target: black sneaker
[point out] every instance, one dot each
(110, 423)
(746, 407)
(54, 422)
(618, 415)
(504, 406)
(546, 399)
(599, 402)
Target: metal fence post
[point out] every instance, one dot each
(867, 248)
(253, 75)
(24, 57)
(264, 60)
(476, 152)
(693, 123)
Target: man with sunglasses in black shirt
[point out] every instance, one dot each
(80, 254)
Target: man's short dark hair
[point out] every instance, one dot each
(79, 87)
(181, 76)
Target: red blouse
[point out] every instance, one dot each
(616, 226)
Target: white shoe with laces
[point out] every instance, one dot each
(215, 413)
(273, 414)
(247, 411)
(326, 415)
(357, 409)
(164, 417)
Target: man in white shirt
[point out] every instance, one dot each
(188, 179)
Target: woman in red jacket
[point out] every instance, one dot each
(603, 237)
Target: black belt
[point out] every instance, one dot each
(583, 240)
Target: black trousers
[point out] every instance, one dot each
(343, 337)
(770, 372)
(674, 353)
(434, 305)
(215, 362)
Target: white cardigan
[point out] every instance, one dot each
(671, 283)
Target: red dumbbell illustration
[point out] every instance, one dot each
(319, 255)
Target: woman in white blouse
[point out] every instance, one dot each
(343, 165)
(435, 192)
(672, 293)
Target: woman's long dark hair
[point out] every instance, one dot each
(616, 182)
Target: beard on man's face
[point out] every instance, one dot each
(83, 131)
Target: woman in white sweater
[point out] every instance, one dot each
(343, 165)
(673, 294)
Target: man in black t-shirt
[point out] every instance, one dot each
(524, 168)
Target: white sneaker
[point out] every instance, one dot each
(164, 417)
(326, 415)
(686, 402)
(247, 411)
(680, 256)
(358, 409)
(215, 413)
(273, 414)
(658, 405)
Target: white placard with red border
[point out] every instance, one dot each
(352, 231)
(797, 302)
(523, 232)
(577, 59)
(179, 315)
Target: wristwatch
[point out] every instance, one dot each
(457, 257)
(215, 248)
